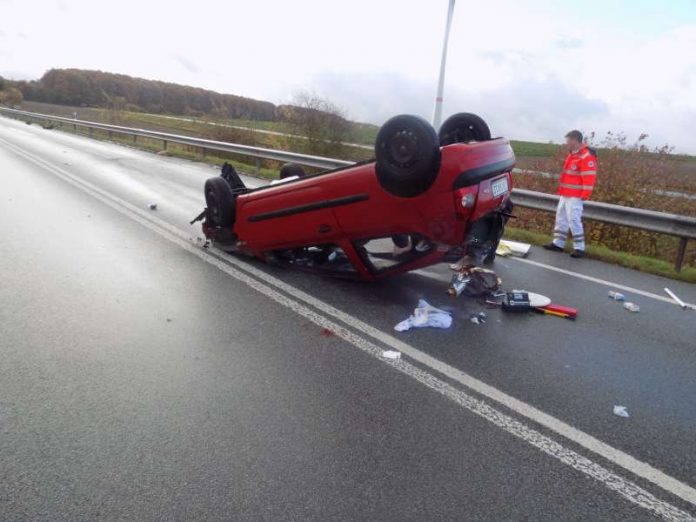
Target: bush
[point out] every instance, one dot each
(10, 96)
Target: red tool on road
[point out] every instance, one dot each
(559, 310)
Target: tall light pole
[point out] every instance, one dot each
(437, 112)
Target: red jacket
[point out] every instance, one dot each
(579, 173)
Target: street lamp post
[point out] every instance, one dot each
(437, 112)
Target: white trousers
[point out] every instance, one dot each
(569, 219)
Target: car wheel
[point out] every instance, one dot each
(220, 202)
(407, 156)
(463, 127)
(292, 169)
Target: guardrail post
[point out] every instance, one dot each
(257, 164)
(111, 135)
(135, 138)
(204, 151)
(91, 132)
(681, 252)
(164, 144)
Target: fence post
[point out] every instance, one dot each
(681, 252)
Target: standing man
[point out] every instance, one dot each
(576, 184)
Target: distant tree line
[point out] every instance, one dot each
(322, 124)
(84, 88)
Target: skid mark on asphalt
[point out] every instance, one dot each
(317, 311)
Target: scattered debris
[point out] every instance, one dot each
(538, 300)
(425, 316)
(616, 296)
(473, 281)
(566, 312)
(516, 301)
(391, 354)
(458, 284)
(152, 206)
(503, 250)
(515, 247)
(631, 307)
(327, 332)
(621, 411)
(681, 303)
(479, 318)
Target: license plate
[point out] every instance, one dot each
(499, 187)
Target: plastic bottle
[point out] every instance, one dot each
(616, 296)
(631, 307)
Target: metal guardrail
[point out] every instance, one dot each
(683, 227)
(246, 150)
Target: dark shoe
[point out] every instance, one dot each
(577, 254)
(553, 248)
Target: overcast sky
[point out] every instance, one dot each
(532, 69)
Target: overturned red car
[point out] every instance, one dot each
(426, 198)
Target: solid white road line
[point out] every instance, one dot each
(598, 281)
(244, 272)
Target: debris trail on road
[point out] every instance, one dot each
(624, 487)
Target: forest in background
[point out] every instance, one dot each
(85, 88)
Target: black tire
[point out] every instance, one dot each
(407, 156)
(498, 230)
(220, 202)
(292, 169)
(463, 127)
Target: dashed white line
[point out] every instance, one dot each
(254, 277)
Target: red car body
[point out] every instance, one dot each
(342, 210)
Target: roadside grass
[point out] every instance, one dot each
(531, 149)
(175, 150)
(361, 133)
(636, 262)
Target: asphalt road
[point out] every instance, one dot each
(145, 378)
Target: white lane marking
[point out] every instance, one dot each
(597, 280)
(644, 293)
(624, 487)
(431, 275)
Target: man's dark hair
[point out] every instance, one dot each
(575, 134)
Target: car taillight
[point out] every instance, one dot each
(465, 200)
(468, 200)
